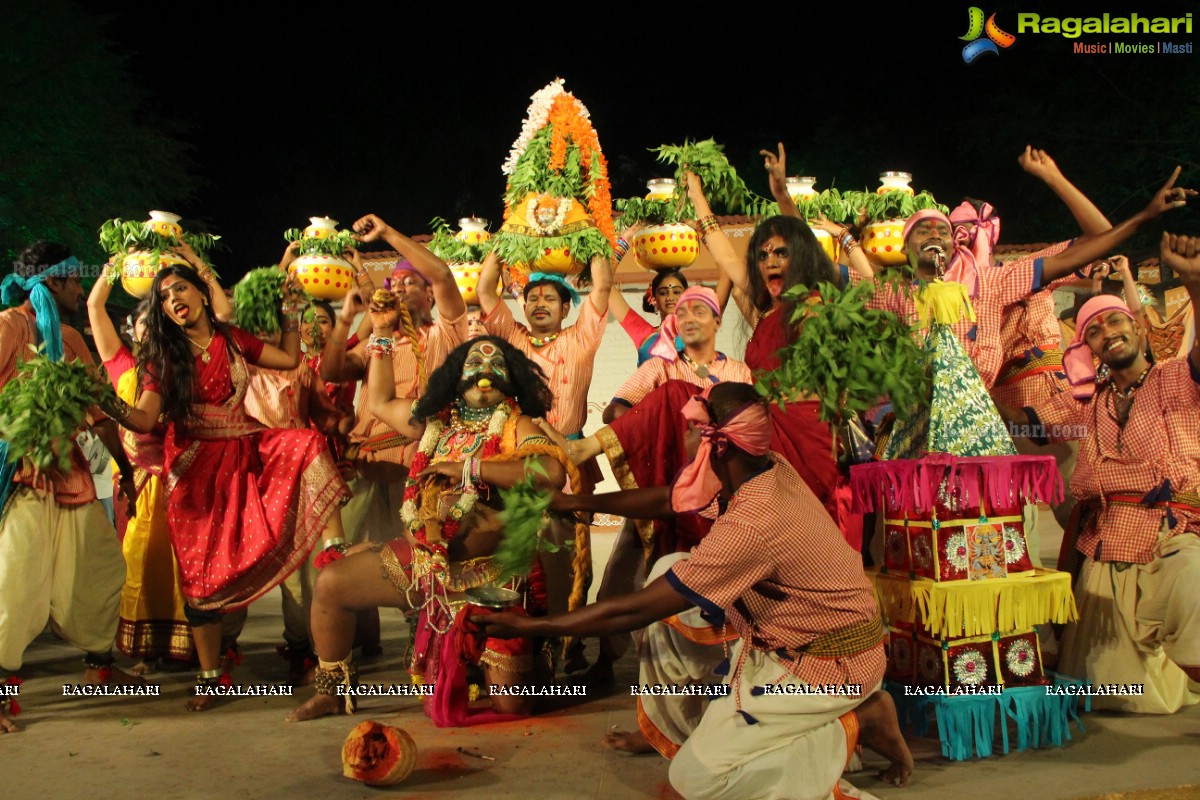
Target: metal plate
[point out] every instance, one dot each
(493, 596)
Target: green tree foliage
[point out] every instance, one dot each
(79, 143)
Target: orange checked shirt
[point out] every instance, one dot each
(778, 570)
(567, 361)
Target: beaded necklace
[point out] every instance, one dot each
(542, 341)
(443, 437)
(1120, 413)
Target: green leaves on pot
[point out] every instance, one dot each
(256, 300)
(333, 245)
(525, 507)
(118, 237)
(727, 193)
(899, 205)
(448, 247)
(516, 249)
(654, 212)
(45, 405)
(830, 204)
(847, 355)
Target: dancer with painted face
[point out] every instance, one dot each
(475, 428)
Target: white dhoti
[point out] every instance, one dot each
(682, 650)
(61, 564)
(1136, 624)
(797, 750)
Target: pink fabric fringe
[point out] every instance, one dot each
(912, 485)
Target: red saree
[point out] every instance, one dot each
(799, 435)
(245, 503)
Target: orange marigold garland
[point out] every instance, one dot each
(557, 155)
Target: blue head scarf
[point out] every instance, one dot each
(49, 328)
(558, 280)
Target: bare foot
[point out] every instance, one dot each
(6, 723)
(627, 742)
(319, 705)
(201, 702)
(115, 677)
(879, 729)
(142, 668)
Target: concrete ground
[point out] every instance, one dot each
(150, 747)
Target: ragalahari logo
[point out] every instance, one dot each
(976, 28)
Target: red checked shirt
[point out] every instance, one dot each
(999, 288)
(657, 371)
(777, 568)
(1161, 441)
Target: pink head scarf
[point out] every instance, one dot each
(748, 429)
(664, 348)
(962, 260)
(1077, 360)
(984, 232)
(403, 266)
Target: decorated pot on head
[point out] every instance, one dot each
(139, 268)
(660, 189)
(801, 188)
(883, 241)
(164, 223)
(895, 182)
(544, 216)
(672, 245)
(321, 270)
(466, 277)
(473, 230)
(825, 239)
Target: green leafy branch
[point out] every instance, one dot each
(45, 405)
(899, 204)
(118, 237)
(727, 193)
(847, 355)
(525, 507)
(256, 299)
(446, 245)
(332, 245)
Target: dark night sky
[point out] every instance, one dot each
(410, 113)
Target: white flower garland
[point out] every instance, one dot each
(560, 215)
(429, 441)
(535, 120)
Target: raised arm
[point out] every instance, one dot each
(394, 411)
(338, 366)
(602, 284)
(715, 240)
(856, 259)
(1182, 255)
(617, 307)
(287, 354)
(776, 166)
(1039, 164)
(445, 291)
(489, 279)
(1093, 247)
(108, 342)
(220, 303)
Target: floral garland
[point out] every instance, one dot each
(535, 120)
(569, 121)
(555, 225)
(412, 489)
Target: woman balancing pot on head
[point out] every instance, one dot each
(661, 298)
(782, 253)
(245, 504)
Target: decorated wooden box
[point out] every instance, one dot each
(1000, 659)
(949, 546)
